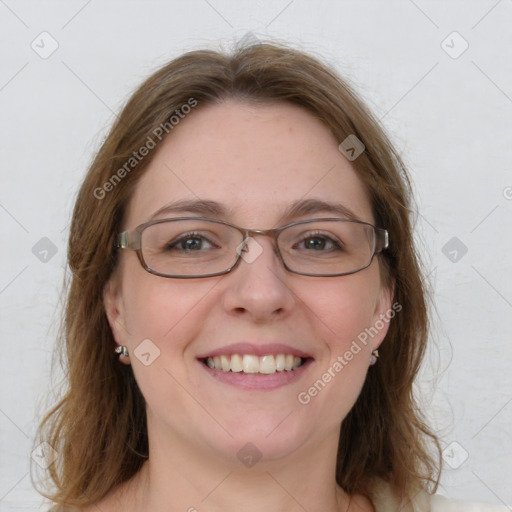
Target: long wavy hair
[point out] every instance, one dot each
(98, 425)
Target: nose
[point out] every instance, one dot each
(258, 288)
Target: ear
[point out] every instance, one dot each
(115, 311)
(383, 313)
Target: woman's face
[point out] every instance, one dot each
(254, 162)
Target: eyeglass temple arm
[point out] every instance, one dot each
(382, 239)
(126, 240)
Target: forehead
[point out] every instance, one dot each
(255, 160)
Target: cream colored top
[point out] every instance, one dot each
(423, 502)
(442, 504)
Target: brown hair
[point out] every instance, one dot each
(98, 427)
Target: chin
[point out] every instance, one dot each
(262, 438)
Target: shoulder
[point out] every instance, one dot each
(385, 501)
(441, 504)
(103, 506)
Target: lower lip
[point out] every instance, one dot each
(257, 381)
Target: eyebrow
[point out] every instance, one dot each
(304, 207)
(198, 206)
(214, 209)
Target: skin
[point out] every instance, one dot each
(255, 160)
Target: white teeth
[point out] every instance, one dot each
(267, 364)
(235, 364)
(224, 360)
(249, 363)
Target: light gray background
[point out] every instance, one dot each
(449, 116)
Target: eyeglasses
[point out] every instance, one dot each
(188, 247)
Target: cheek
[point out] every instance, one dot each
(345, 308)
(344, 313)
(170, 314)
(162, 309)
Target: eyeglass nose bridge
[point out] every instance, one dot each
(250, 234)
(262, 232)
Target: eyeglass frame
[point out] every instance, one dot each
(132, 240)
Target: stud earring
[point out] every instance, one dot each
(374, 357)
(122, 351)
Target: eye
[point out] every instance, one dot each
(189, 242)
(318, 242)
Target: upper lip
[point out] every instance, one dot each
(255, 349)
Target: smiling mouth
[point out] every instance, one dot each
(252, 364)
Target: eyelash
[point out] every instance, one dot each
(186, 236)
(336, 243)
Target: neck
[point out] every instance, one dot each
(182, 476)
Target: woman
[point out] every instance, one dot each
(246, 314)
